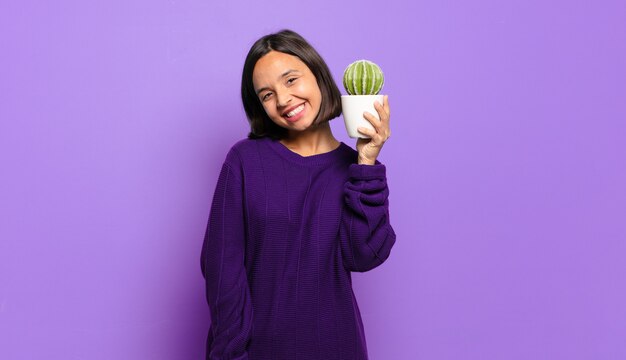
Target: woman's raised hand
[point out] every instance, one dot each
(369, 149)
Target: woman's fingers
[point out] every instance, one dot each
(380, 124)
(376, 123)
(383, 110)
(386, 106)
(366, 131)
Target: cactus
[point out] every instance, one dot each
(363, 77)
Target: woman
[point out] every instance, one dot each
(293, 214)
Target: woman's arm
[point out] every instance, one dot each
(222, 264)
(365, 233)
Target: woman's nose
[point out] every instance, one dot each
(283, 98)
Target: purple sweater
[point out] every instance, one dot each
(283, 236)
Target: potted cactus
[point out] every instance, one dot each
(362, 80)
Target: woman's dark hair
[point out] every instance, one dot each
(288, 42)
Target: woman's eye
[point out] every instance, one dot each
(266, 96)
(291, 80)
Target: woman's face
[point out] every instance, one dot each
(287, 89)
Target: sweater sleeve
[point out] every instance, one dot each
(366, 235)
(222, 265)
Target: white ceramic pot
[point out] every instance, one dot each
(352, 107)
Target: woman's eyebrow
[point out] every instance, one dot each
(287, 73)
(280, 77)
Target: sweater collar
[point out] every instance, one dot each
(318, 159)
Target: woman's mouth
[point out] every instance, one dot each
(295, 114)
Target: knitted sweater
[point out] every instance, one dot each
(284, 233)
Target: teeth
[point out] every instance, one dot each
(295, 111)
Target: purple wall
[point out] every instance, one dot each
(506, 171)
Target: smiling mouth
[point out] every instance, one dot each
(294, 112)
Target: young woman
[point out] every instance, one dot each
(294, 212)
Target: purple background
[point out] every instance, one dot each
(506, 170)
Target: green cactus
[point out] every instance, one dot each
(363, 77)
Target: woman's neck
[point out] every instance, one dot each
(312, 141)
